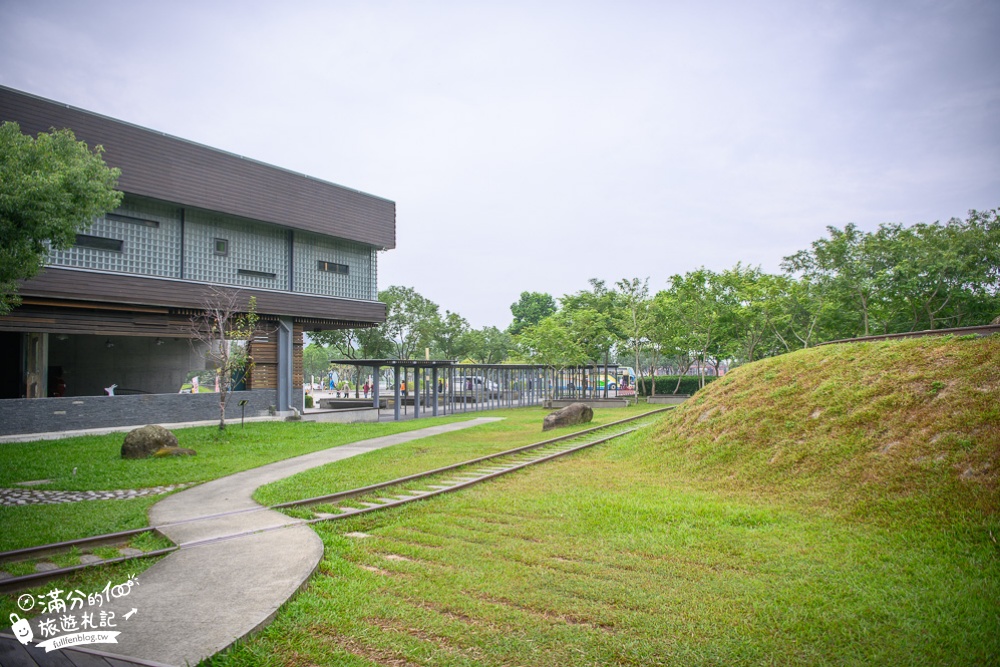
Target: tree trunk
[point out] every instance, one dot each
(681, 372)
(607, 380)
(638, 371)
(652, 390)
(864, 313)
(222, 410)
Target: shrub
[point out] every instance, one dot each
(665, 384)
(309, 400)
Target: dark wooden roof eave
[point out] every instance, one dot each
(74, 285)
(166, 168)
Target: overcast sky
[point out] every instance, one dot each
(534, 145)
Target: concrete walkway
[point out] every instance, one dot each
(218, 588)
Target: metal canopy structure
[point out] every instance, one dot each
(444, 386)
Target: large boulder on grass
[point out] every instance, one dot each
(574, 413)
(145, 441)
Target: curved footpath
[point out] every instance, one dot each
(213, 591)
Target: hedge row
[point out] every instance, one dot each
(665, 384)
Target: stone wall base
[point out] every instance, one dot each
(46, 415)
(343, 416)
(671, 399)
(589, 402)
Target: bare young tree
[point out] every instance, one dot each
(225, 328)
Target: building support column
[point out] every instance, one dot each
(36, 365)
(416, 392)
(395, 402)
(434, 381)
(285, 337)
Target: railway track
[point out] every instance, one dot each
(339, 505)
(984, 330)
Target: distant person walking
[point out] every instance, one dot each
(366, 388)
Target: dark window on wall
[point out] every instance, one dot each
(255, 274)
(131, 219)
(221, 247)
(332, 267)
(99, 243)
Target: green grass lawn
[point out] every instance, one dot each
(94, 463)
(619, 556)
(832, 506)
(519, 427)
(99, 467)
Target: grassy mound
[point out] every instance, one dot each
(790, 514)
(876, 429)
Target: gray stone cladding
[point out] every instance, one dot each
(15, 497)
(44, 415)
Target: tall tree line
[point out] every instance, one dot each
(849, 283)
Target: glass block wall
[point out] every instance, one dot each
(151, 242)
(256, 253)
(223, 250)
(360, 260)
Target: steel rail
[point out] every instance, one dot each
(982, 330)
(17, 583)
(29, 553)
(409, 499)
(471, 482)
(430, 473)
(37, 578)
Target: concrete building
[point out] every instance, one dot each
(116, 308)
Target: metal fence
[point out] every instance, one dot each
(436, 387)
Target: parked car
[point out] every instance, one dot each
(474, 383)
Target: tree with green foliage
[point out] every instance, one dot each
(411, 321)
(746, 313)
(665, 336)
(315, 361)
(451, 336)
(943, 275)
(51, 187)
(851, 263)
(899, 279)
(665, 344)
(798, 311)
(694, 306)
(530, 309)
(488, 345)
(552, 343)
(634, 317)
(359, 343)
(597, 314)
(591, 328)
